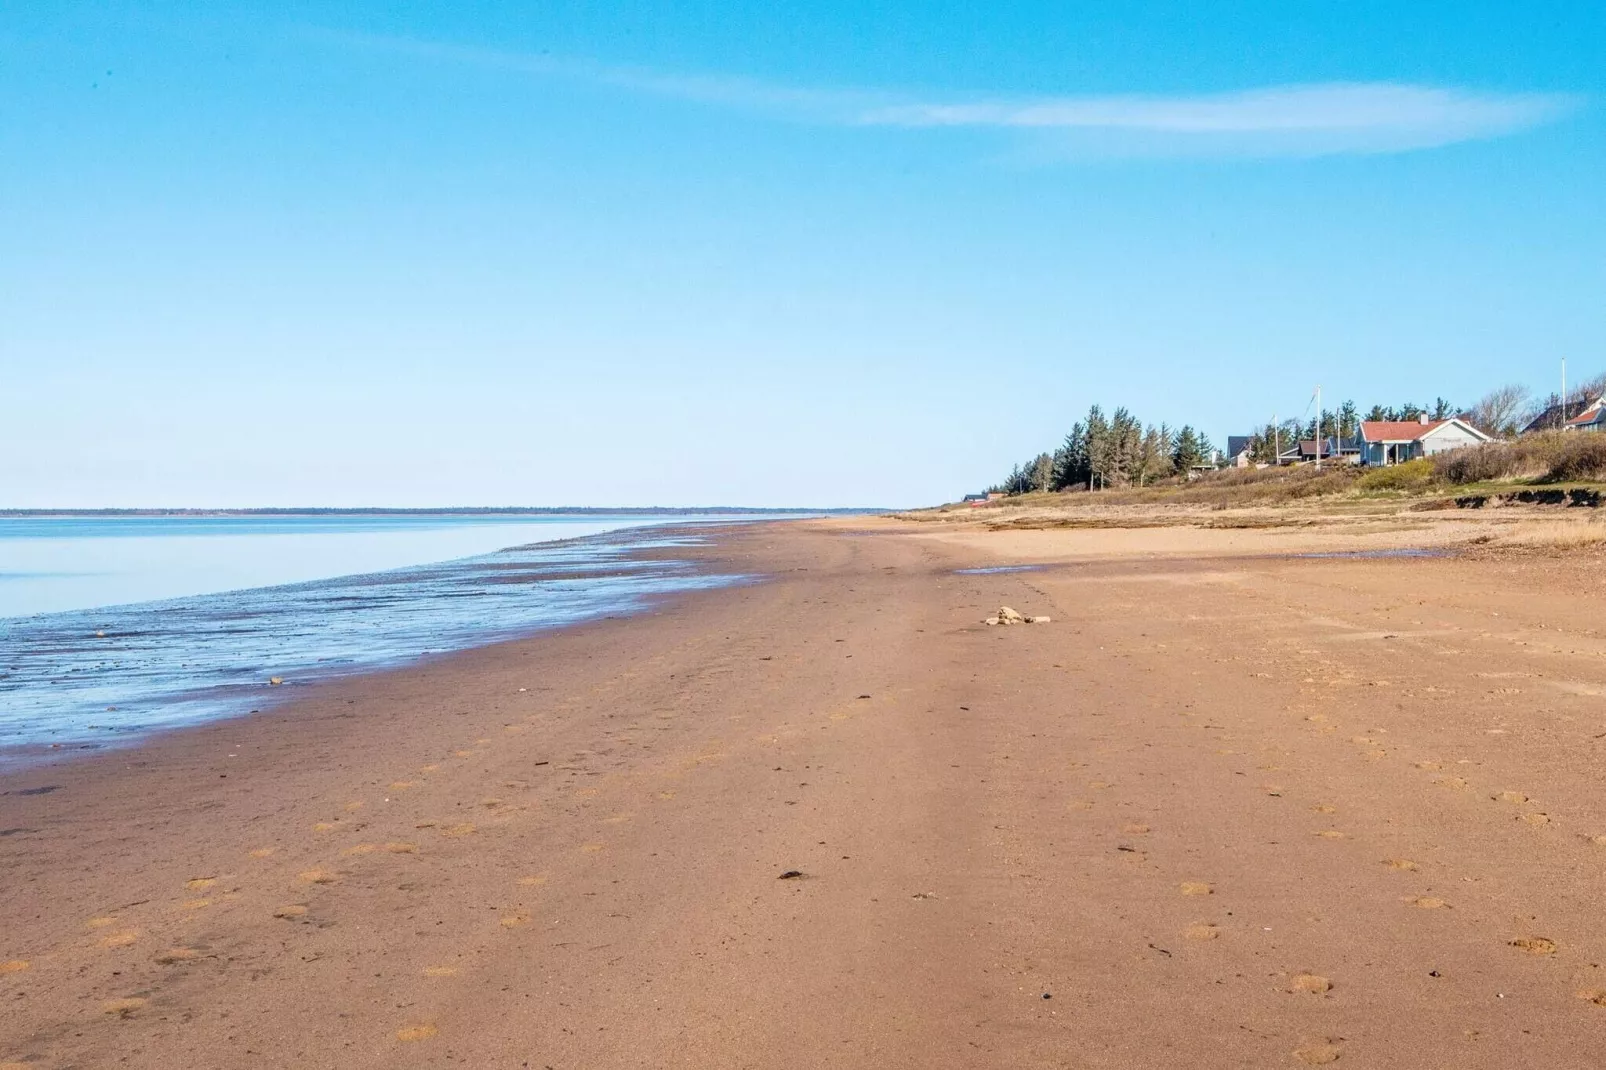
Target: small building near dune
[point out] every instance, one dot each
(1239, 454)
(1334, 449)
(1591, 419)
(1385, 442)
(1559, 416)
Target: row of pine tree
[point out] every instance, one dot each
(1119, 450)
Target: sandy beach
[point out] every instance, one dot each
(1232, 807)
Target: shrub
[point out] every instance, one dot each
(1475, 464)
(1538, 456)
(1582, 457)
(1409, 475)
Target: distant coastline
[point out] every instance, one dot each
(468, 510)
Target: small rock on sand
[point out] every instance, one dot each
(1006, 615)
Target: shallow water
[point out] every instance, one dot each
(95, 677)
(51, 564)
(994, 570)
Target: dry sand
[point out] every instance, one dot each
(1230, 809)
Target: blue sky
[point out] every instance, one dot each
(827, 254)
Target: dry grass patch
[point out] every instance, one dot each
(1553, 535)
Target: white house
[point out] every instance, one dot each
(1392, 441)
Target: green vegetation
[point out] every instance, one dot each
(1411, 475)
(1118, 451)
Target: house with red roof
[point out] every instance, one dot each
(1593, 418)
(1385, 442)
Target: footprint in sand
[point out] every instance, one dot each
(1136, 828)
(200, 882)
(1203, 930)
(517, 919)
(1195, 888)
(463, 828)
(122, 939)
(1510, 797)
(416, 1032)
(440, 971)
(402, 848)
(1325, 808)
(319, 876)
(293, 911)
(14, 965)
(1332, 834)
(591, 848)
(1597, 996)
(1535, 945)
(174, 955)
(1534, 818)
(360, 849)
(101, 922)
(1318, 1052)
(1400, 863)
(262, 852)
(195, 904)
(533, 881)
(1313, 983)
(1429, 902)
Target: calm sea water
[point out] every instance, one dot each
(112, 628)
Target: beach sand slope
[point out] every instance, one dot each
(1223, 811)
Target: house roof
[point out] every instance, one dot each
(1592, 415)
(1552, 417)
(1236, 444)
(1397, 430)
(1330, 445)
(1411, 430)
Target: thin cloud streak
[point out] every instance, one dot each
(1342, 117)
(1319, 119)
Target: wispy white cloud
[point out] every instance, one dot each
(1343, 117)
(1319, 119)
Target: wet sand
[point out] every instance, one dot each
(1228, 809)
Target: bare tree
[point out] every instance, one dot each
(1590, 389)
(1502, 412)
